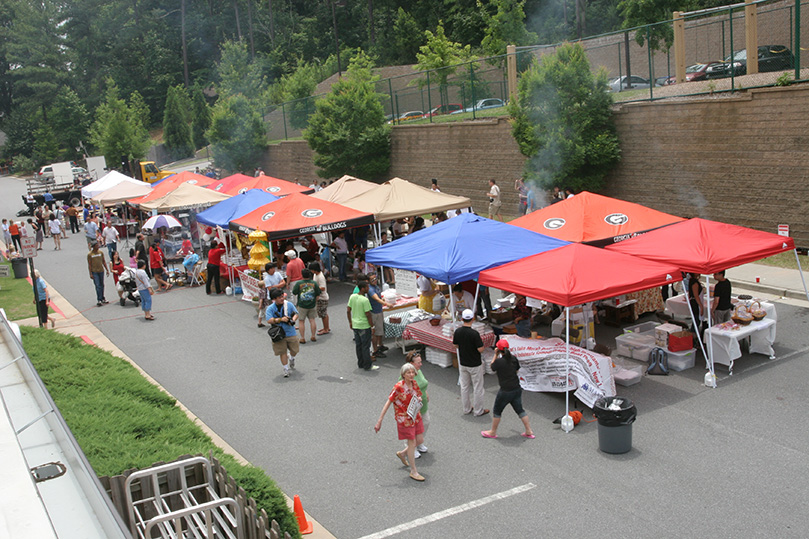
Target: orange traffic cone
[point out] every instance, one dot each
(304, 525)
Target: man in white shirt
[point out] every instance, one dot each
(110, 235)
(272, 280)
(494, 200)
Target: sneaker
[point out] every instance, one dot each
(286, 373)
(99, 304)
(422, 448)
(292, 363)
(373, 368)
(379, 354)
(416, 455)
(383, 348)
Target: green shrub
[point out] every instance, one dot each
(23, 164)
(122, 421)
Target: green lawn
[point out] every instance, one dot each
(785, 260)
(122, 421)
(16, 296)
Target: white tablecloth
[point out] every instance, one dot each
(677, 307)
(725, 343)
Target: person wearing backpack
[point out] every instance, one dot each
(284, 314)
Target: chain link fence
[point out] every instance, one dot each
(715, 56)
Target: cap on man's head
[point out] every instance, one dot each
(291, 254)
(502, 344)
(467, 314)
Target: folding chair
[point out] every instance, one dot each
(196, 275)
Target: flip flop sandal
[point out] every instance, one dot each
(403, 458)
(485, 434)
(417, 477)
(322, 332)
(529, 436)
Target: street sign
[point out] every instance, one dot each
(783, 230)
(29, 247)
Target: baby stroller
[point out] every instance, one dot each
(129, 287)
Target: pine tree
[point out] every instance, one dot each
(201, 118)
(176, 123)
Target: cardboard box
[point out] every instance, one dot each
(680, 341)
(501, 317)
(680, 361)
(662, 333)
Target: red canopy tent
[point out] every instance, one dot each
(575, 274)
(705, 247)
(296, 215)
(171, 183)
(240, 183)
(594, 219)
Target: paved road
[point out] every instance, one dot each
(728, 462)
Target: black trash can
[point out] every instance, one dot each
(20, 267)
(615, 417)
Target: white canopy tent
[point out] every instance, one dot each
(109, 181)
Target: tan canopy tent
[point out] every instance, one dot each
(108, 181)
(344, 189)
(122, 192)
(184, 197)
(399, 198)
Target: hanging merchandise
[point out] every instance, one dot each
(259, 251)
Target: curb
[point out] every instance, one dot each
(781, 292)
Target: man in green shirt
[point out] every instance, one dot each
(360, 320)
(307, 291)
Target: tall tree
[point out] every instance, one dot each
(118, 131)
(177, 123)
(348, 132)
(238, 74)
(505, 27)
(441, 56)
(297, 88)
(70, 122)
(46, 147)
(562, 121)
(237, 134)
(201, 118)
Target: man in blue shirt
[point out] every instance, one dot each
(284, 314)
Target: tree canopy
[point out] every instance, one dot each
(348, 132)
(562, 121)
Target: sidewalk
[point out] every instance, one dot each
(780, 282)
(71, 322)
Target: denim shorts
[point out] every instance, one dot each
(504, 398)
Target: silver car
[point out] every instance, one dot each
(628, 83)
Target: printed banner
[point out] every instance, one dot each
(542, 368)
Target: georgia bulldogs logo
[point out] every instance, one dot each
(192, 182)
(267, 215)
(218, 187)
(273, 189)
(554, 223)
(243, 190)
(616, 219)
(312, 213)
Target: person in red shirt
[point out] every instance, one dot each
(14, 230)
(214, 259)
(294, 268)
(157, 263)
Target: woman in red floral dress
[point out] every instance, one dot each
(408, 416)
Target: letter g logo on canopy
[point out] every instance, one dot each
(554, 223)
(312, 213)
(616, 219)
(267, 215)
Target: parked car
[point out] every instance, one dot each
(482, 104)
(693, 73)
(770, 58)
(78, 171)
(412, 115)
(45, 174)
(632, 82)
(444, 109)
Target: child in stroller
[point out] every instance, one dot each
(129, 287)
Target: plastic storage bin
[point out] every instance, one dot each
(438, 357)
(635, 345)
(626, 375)
(642, 328)
(680, 361)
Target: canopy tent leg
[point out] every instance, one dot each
(567, 421)
(696, 327)
(711, 366)
(477, 291)
(451, 303)
(800, 272)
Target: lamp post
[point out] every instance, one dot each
(338, 3)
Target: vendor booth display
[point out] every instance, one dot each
(706, 247)
(108, 181)
(594, 219)
(297, 215)
(240, 183)
(573, 275)
(121, 193)
(344, 189)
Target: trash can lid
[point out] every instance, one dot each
(614, 411)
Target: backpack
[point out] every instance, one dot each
(658, 362)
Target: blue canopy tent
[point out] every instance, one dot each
(460, 248)
(233, 208)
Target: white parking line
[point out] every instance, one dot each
(449, 512)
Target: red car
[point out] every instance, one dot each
(444, 109)
(693, 72)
